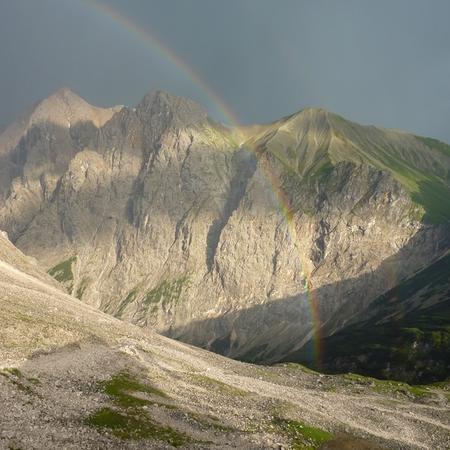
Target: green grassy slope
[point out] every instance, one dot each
(312, 141)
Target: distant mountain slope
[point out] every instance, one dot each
(74, 377)
(404, 334)
(312, 141)
(243, 240)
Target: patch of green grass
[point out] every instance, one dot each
(122, 386)
(167, 292)
(445, 385)
(416, 213)
(302, 436)
(218, 386)
(296, 366)
(128, 419)
(63, 273)
(442, 388)
(13, 371)
(417, 391)
(322, 169)
(128, 299)
(135, 426)
(434, 143)
(386, 386)
(426, 189)
(18, 374)
(433, 195)
(416, 333)
(266, 373)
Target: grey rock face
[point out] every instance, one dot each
(244, 249)
(36, 151)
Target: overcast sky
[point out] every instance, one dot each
(383, 62)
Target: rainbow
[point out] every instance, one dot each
(165, 52)
(152, 41)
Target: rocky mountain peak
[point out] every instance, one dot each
(66, 94)
(309, 118)
(38, 148)
(64, 108)
(159, 107)
(313, 111)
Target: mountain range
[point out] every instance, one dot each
(248, 241)
(311, 240)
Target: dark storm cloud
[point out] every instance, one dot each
(383, 62)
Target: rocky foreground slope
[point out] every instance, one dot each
(246, 241)
(73, 377)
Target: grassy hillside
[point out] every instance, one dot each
(311, 142)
